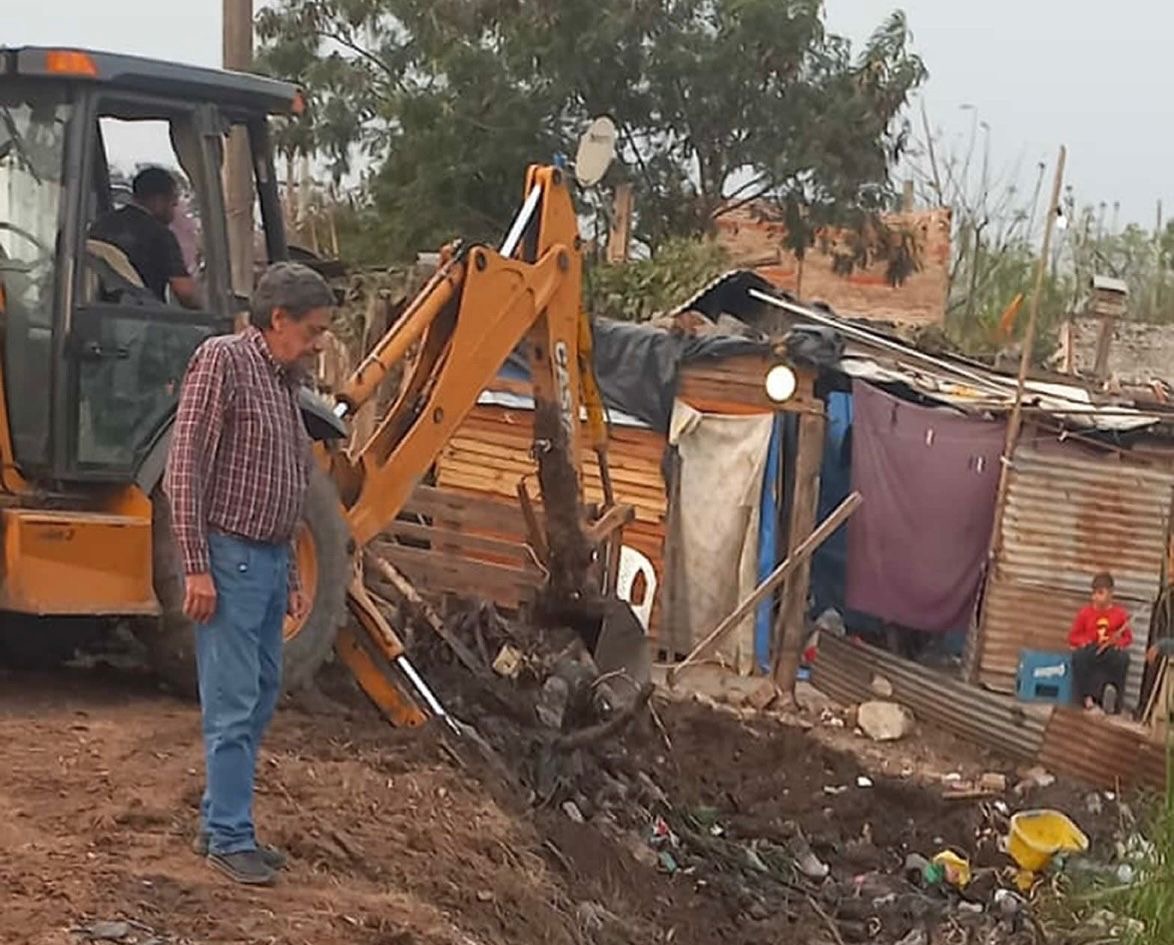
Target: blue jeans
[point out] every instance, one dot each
(238, 657)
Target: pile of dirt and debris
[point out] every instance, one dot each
(739, 826)
(572, 822)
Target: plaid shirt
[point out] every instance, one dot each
(240, 454)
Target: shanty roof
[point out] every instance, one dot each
(862, 351)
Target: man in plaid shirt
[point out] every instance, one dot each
(236, 480)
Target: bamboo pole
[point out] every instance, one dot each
(1015, 420)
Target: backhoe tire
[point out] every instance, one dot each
(170, 640)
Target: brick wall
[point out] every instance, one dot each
(920, 300)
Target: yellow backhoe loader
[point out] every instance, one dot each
(92, 365)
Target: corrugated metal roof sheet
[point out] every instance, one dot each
(845, 670)
(1068, 516)
(1094, 749)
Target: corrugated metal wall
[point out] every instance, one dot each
(1071, 513)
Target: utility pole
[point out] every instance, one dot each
(238, 171)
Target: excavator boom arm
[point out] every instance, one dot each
(467, 320)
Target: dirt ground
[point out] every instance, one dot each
(397, 838)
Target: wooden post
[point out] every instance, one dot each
(238, 172)
(790, 629)
(619, 237)
(1015, 420)
(907, 196)
(794, 559)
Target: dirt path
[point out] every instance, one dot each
(395, 840)
(390, 843)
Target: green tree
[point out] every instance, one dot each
(717, 102)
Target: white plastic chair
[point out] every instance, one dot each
(633, 563)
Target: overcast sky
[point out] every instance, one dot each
(1038, 73)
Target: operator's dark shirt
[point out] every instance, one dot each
(149, 245)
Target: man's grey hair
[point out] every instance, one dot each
(292, 287)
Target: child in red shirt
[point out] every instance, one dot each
(1100, 639)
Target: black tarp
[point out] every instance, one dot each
(638, 366)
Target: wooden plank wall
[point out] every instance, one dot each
(467, 545)
(490, 455)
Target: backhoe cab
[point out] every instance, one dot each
(92, 364)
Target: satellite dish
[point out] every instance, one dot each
(597, 149)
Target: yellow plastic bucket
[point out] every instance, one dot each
(1038, 835)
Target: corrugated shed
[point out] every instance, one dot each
(1151, 772)
(1095, 749)
(844, 671)
(490, 454)
(1071, 513)
(755, 242)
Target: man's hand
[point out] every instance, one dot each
(299, 605)
(199, 597)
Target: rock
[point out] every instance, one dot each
(1093, 804)
(915, 867)
(758, 911)
(880, 686)
(552, 702)
(993, 781)
(807, 862)
(508, 662)
(810, 699)
(884, 721)
(1038, 777)
(103, 931)
(762, 695)
(571, 809)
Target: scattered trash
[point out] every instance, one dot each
(884, 721)
(863, 782)
(835, 790)
(830, 719)
(917, 936)
(1037, 836)
(1002, 808)
(571, 809)
(667, 862)
(974, 908)
(952, 778)
(1037, 777)
(915, 867)
(955, 869)
(1007, 902)
(993, 781)
(1093, 804)
(508, 662)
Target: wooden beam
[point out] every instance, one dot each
(619, 236)
(794, 560)
(423, 610)
(791, 626)
(238, 170)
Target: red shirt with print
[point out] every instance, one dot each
(1096, 627)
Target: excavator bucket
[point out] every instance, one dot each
(621, 650)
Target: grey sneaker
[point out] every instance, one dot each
(274, 858)
(1110, 699)
(247, 867)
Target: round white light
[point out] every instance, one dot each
(781, 383)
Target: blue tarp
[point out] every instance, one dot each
(829, 565)
(768, 542)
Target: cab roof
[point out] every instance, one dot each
(152, 76)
